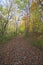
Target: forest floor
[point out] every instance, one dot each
(20, 52)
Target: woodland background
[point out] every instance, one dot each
(21, 17)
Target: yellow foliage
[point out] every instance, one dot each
(31, 24)
(24, 18)
(41, 0)
(32, 8)
(23, 22)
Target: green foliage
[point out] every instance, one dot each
(36, 18)
(35, 23)
(21, 4)
(39, 42)
(1, 8)
(5, 11)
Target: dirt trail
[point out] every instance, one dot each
(19, 52)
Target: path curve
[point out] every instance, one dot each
(19, 52)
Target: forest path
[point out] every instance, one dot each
(19, 52)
